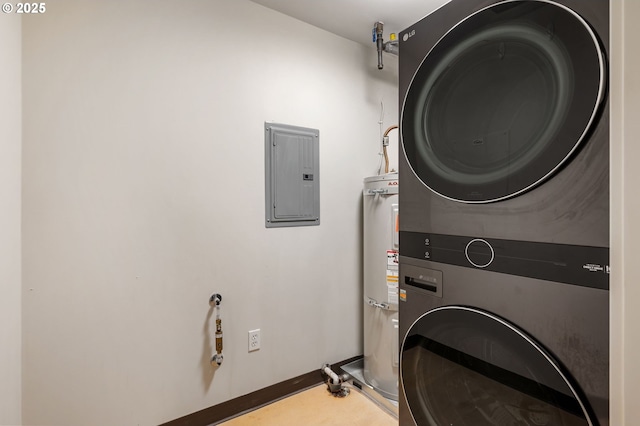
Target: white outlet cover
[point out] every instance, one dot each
(254, 340)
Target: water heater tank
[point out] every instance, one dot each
(380, 233)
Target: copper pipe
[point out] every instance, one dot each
(385, 142)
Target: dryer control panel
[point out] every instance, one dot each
(563, 263)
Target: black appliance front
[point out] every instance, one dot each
(505, 178)
(495, 351)
(505, 121)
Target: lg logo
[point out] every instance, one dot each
(408, 35)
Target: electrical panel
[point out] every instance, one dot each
(292, 180)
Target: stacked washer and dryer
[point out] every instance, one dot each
(504, 236)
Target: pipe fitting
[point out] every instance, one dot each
(334, 381)
(215, 299)
(378, 27)
(216, 360)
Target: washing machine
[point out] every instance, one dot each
(504, 232)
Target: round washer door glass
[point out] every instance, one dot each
(502, 100)
(465, 367)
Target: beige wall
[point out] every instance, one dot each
(143, 175)
(625, 277)
(10, 289)
(144, 194)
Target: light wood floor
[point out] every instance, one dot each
(317, 407)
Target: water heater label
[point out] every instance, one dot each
(392, 258)
(392, 286)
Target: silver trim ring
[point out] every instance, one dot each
(466, 253)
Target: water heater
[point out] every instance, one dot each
(380, 233)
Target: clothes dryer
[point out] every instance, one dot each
(504, 232)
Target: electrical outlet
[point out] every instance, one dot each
(254, 340)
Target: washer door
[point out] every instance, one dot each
(465, 367)
(502, 100)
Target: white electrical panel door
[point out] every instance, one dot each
(292, 195)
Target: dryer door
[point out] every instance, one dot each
(465, 367)
(502, 100)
